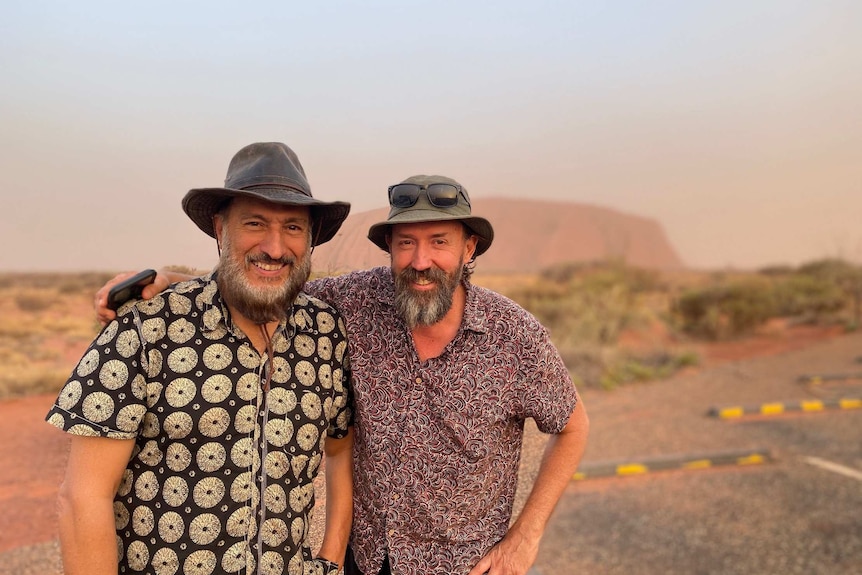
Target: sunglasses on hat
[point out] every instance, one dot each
(440, 195)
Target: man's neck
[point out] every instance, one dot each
(257, 333)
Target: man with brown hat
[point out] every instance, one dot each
(445, 374)
(199, 418)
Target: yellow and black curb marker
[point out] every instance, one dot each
(665, 463)
(818, 379)
(778, 408)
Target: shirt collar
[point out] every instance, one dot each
(216, 315)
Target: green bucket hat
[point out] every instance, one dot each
(424, 211)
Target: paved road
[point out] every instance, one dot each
(801, 513)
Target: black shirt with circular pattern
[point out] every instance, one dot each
(221, 476)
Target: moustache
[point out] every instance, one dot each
(435, 275)
(264, 258)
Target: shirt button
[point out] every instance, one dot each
(418, 380)
(391, 532)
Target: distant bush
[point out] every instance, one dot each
(727, 309)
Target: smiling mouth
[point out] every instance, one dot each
(274, 267)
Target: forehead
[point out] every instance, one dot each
(244, 206)
(428, 228)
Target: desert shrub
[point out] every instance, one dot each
(609, 368)
(586, 304)
(806, 296)
(35, 300)
(725, 309)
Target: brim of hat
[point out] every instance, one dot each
(201, 204)
(479, 226)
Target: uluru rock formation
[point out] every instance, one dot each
(530, 235)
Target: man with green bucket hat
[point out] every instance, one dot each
(445, 373)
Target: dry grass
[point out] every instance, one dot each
(46, 322)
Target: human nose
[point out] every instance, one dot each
(273, 244)
(421, 259)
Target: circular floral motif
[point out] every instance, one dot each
(233, 560)
(280, 369)
(217, 356)
(88, 363)
(324, 348)
(128, 343)
(108, 333)
(121, 515)
(307, 436)
(70, 395)
(237, 524)
(275, 499)
(248, 386)
(216, 388)
(208, 492)
(130, 417)
(176, 491)
(143, 520)
(211, 457)
(276, 464)
(204, 528)
(304, 345)
(165, 561)
(271, 563)
(180, 392)
(114, 374)
(245, 419)
(171, 527)
(178, 425)
(178, 457)
(311, 405)
(305, 373)
(301, 496)
(183, 360)
(274, 532)
(214, 422)
(181, 331)
(201, 562)
(150, 453)
(153, 329)
(325, 322)
(137, 555)
(242, 487)
(242, 452)
(278, 431)
(179, 304)
(98, 407)
(281, 400)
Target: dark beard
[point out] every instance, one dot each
(425, 308)
(260, 305)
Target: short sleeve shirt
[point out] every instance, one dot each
(221, 476)
(437, 445)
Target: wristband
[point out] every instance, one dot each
(324, 567)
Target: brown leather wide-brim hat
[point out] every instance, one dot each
(424, 211)
(268, 171)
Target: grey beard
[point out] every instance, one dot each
(259, 304)
(425, 308)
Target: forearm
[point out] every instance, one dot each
(88, 538)
(339, 499)
(560, 461)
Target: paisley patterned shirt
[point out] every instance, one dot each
(438, 442)
(221, 476)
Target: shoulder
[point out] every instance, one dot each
(495, 305)
(343, 289)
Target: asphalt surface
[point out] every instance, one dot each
(799, 512)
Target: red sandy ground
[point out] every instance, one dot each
(33, 454)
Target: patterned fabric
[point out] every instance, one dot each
(221, 477)
(438, 443)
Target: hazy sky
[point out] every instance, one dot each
(735, 124)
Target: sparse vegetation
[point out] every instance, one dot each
(614, 324)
